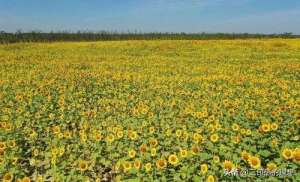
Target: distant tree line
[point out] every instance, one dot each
(35, 36)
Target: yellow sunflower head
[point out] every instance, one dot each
(148, 166)
(271, 166)
(274, 126)
(126, 166)
(235, 127)
(216, 159)
(137, 164)
(131, 153)
(254, 162)
(265, 127)
(203, 168)
(8, 177)
(183, 153)
(161, 163)
(296, 154)
(173, 159)
(210, 178)
(228, 165)
(214, 137)
(287, 153)
(83, 165)
(26, 179)
(245, 155)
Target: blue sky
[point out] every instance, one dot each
(252, 16)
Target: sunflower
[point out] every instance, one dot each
(133, 135)
(271, 166)
(216, 159)
(248, 132)
(153, 152)
(2, 145)
(26, 179)
(195, 149)
(265, 127)
(235, 127)
(126, 166)
(210, 178)
(148, 166)
(178, 133)
(254, 162)
(197, 138)
(203, 168)
(287, 153)
(131, 153)
(228, 165)
(83, 165)
(183, 153)
(110, 138)
(2, 152)
(214, 137)
(39, 178)
(8, 177)
(143, 148)
(137, 164)
(11, 143)
(173, 159)
(120, 134)
(68, 134)
(296, 154)
(274, 126)
(153, 142)
(245, 155)
(151, 129)
(161, 163)
(168, 132)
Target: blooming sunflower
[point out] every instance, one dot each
(214, 137)
(173, 159)
(216, 159)
(245, 155)
(143, 148)
(210, 178)
(153, 142)
(178, 133)
(274, 126)
(271, 166)
(235, 127)
(110, 138)
(228, 165)
(265, 127)
(26, 179)
(2, 145)
(161, 163)
(296, 154)
(153, 152)
(83, 165)
(254, 162)
(137, 164)
(203, 168)
(195, 149)
(183, 153)
(131, 153)
(8, 177)
(148, 166)
(287, 153)
(133, 135)
(151, 129)
(126, 166)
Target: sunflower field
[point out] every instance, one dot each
(178, 110)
